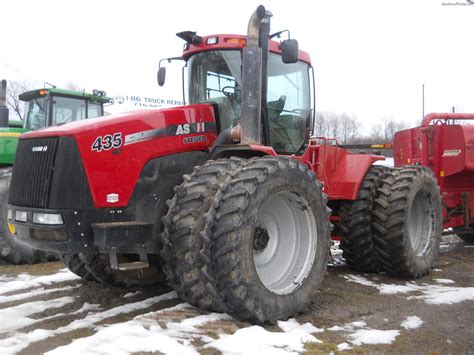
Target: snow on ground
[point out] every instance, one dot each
(38, 292)
(373, 336)
(444, 281)
(387, 162)
(360, 334)
(432, 294)
(24, 281)
(257, 340)
(18, 316)
(18, 340)
(180, 328)
(412, 322)
(132, 294)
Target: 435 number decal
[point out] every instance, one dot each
(107, 142)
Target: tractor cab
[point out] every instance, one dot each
(214, 75)
(53, 107)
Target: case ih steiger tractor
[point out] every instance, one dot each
(227, 196)
(44, 108)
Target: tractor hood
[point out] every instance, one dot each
(116, 148)
(8, 142)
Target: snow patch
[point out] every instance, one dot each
(387, 162)
(19, 341)
(257, 340)
(18, 316)
(176, 337)
(446, 295)
(444, 281)
(24, 281)
(132, 294)
(292, 324)
(373, 336)
(432, 294)
(412, 322)
(38, 292)
(344, 346)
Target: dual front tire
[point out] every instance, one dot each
(261, 245)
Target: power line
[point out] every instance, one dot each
(19, 72)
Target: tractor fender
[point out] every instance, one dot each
(342, 180)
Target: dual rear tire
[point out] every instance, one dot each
(408, 221)
(395, 224)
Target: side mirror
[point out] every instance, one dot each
(289, 51)
(161, 76)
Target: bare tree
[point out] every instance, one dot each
(343, 127)
(14, 89)
(73, 86)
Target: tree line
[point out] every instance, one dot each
(349, 128)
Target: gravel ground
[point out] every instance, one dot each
(46, 308)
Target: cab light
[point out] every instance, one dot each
(43, 92)
(20, 216)
(48, 218)
(212, 40)
(241, 41)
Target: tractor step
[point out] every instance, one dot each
(125, 237)
(131, 265)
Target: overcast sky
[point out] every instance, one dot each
(371, 57)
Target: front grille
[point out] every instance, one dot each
(32, 172)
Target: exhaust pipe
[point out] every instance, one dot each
(3, 104)
(250, 121)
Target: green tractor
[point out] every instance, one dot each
(43, 108)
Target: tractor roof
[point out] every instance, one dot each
(229, 41)
(26, 96)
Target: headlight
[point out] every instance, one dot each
(21, 216)
(47, 218)
(9, 214)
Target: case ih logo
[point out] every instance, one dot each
(451, 153)
(40, 148)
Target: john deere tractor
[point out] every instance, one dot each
(44, 108)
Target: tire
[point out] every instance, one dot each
(355, 226)
(408, 221)
(77, 266)
(186, 227)
(98, 265)
(10, 250)
(270, 241)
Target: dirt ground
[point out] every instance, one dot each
(347, 297)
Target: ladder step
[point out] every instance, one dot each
(135, 265)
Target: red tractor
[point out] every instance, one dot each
(229, 196)
(446, 147)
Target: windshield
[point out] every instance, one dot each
(215, 76)
(64, 110)
(35, 113)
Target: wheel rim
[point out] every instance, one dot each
(420, 226)
(284, 245)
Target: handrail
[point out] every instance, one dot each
(446, 116)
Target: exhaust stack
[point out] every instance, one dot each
(252, 80)
(3, 104)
